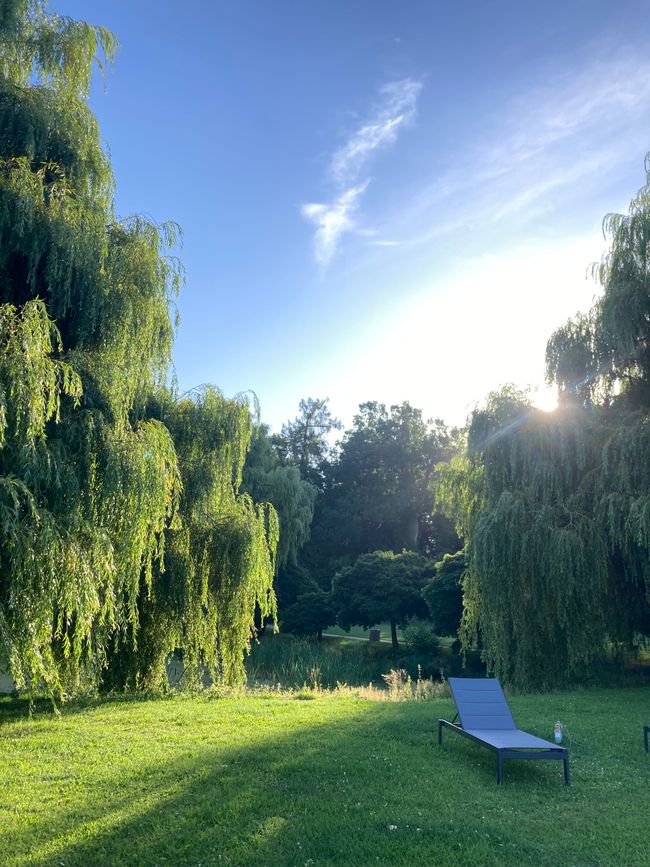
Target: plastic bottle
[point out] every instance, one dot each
(558, 732)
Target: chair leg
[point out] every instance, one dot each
(646, 731)
(567, 777)
(499, 769)
(439, 731)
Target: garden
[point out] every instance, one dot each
(225, 644)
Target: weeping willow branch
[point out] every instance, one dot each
(555, 508)
(122, 536)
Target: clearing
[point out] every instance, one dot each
(332, 780)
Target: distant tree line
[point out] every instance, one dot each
(365, 544)
(551, 566)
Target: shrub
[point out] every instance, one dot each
(419, 637)
(444, 595)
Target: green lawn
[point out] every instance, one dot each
(360, 632)
(275, 780)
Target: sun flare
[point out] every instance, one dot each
(545, 398)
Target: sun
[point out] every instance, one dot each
(545, 398)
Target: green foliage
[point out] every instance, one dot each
(122, 536)
(310, 614)
(444, 594)
(536, 579)
(219, 558)
(88, 482)
(608, 351)
(32, 381)
(571, 360)
(304, 441)
(267, 479)
(58, 50)
(379, 489)
(292, 582)
(381, 586)
(420, 638)
(553, 508)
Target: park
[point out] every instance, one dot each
(390, 639)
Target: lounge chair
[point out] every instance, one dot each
(485, 718)
(646, 732)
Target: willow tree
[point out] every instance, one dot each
(90, 479)
(268, 479)
(220, 553)
(613, 345)
(535, 585)
(555, 508)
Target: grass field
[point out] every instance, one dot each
(360, 632)
(335, 780)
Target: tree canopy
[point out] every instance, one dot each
(304, 442)
(444, 594)
(268, 479)
(381, 586)
(555, 508)
(310, 613)
(378, 492)
(119, 540)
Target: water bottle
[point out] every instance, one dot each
(558, 732)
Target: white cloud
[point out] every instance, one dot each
(556, 141)
(594, 99)
(395, 109)
(384, 243)
(333, 221)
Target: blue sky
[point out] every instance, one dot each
(380, 200)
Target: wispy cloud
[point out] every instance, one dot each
(332, 221)
(394, 110)
(552, 143)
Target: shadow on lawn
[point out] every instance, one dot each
(14, 708)
(370, 798)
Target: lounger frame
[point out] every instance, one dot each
(500, 717)
(559, 754)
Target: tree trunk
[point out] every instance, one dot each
(413, 532)
(393, 634)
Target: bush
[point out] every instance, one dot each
(444, 595)
(419, 638)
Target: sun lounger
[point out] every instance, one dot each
(485, 718)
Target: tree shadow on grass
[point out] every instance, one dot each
(14, 708)
(369, 787)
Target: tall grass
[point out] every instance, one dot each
(291, 662)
